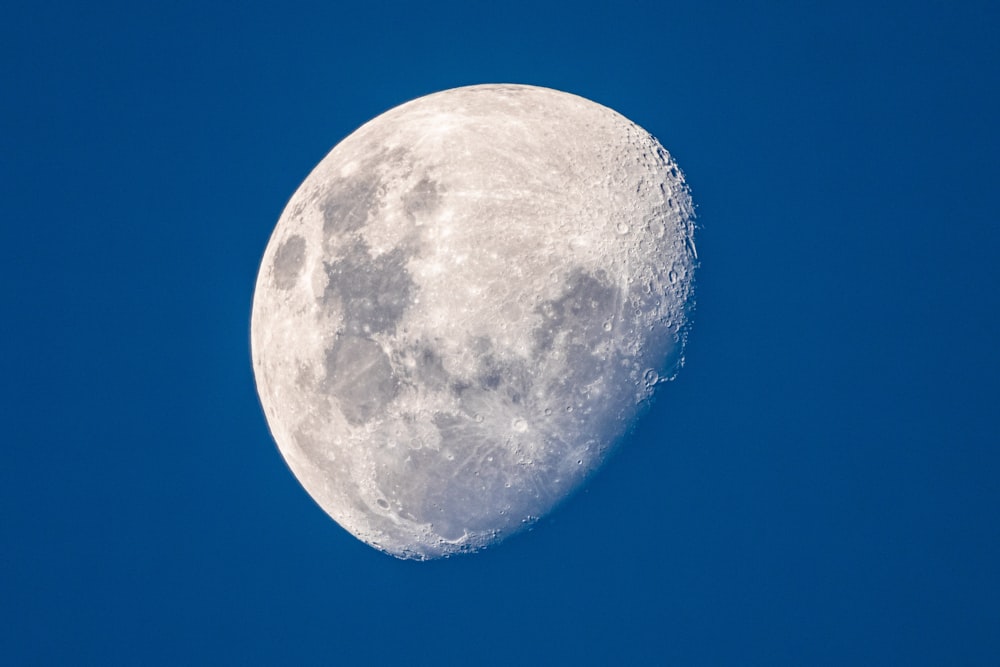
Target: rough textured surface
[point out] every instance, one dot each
(465, 306)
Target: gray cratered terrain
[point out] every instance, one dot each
(465, 306)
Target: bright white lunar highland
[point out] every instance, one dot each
(465, 306)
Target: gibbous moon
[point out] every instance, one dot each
(465, 307)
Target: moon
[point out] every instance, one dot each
(465, 307)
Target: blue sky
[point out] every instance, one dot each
(818, 486)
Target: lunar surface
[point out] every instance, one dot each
(465, 307)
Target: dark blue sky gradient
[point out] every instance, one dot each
(819, 486)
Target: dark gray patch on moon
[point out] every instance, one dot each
(491, 377)
(288, 262)
(375, 292)
(424, 367)
(583, 309)
(351, 199)
(346, 208)
(585, 314)
(425, 196)
(664, 353)
(507, 377)
(360, 376)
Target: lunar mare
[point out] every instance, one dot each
(465, 307)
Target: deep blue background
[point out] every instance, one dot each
(818, 487)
